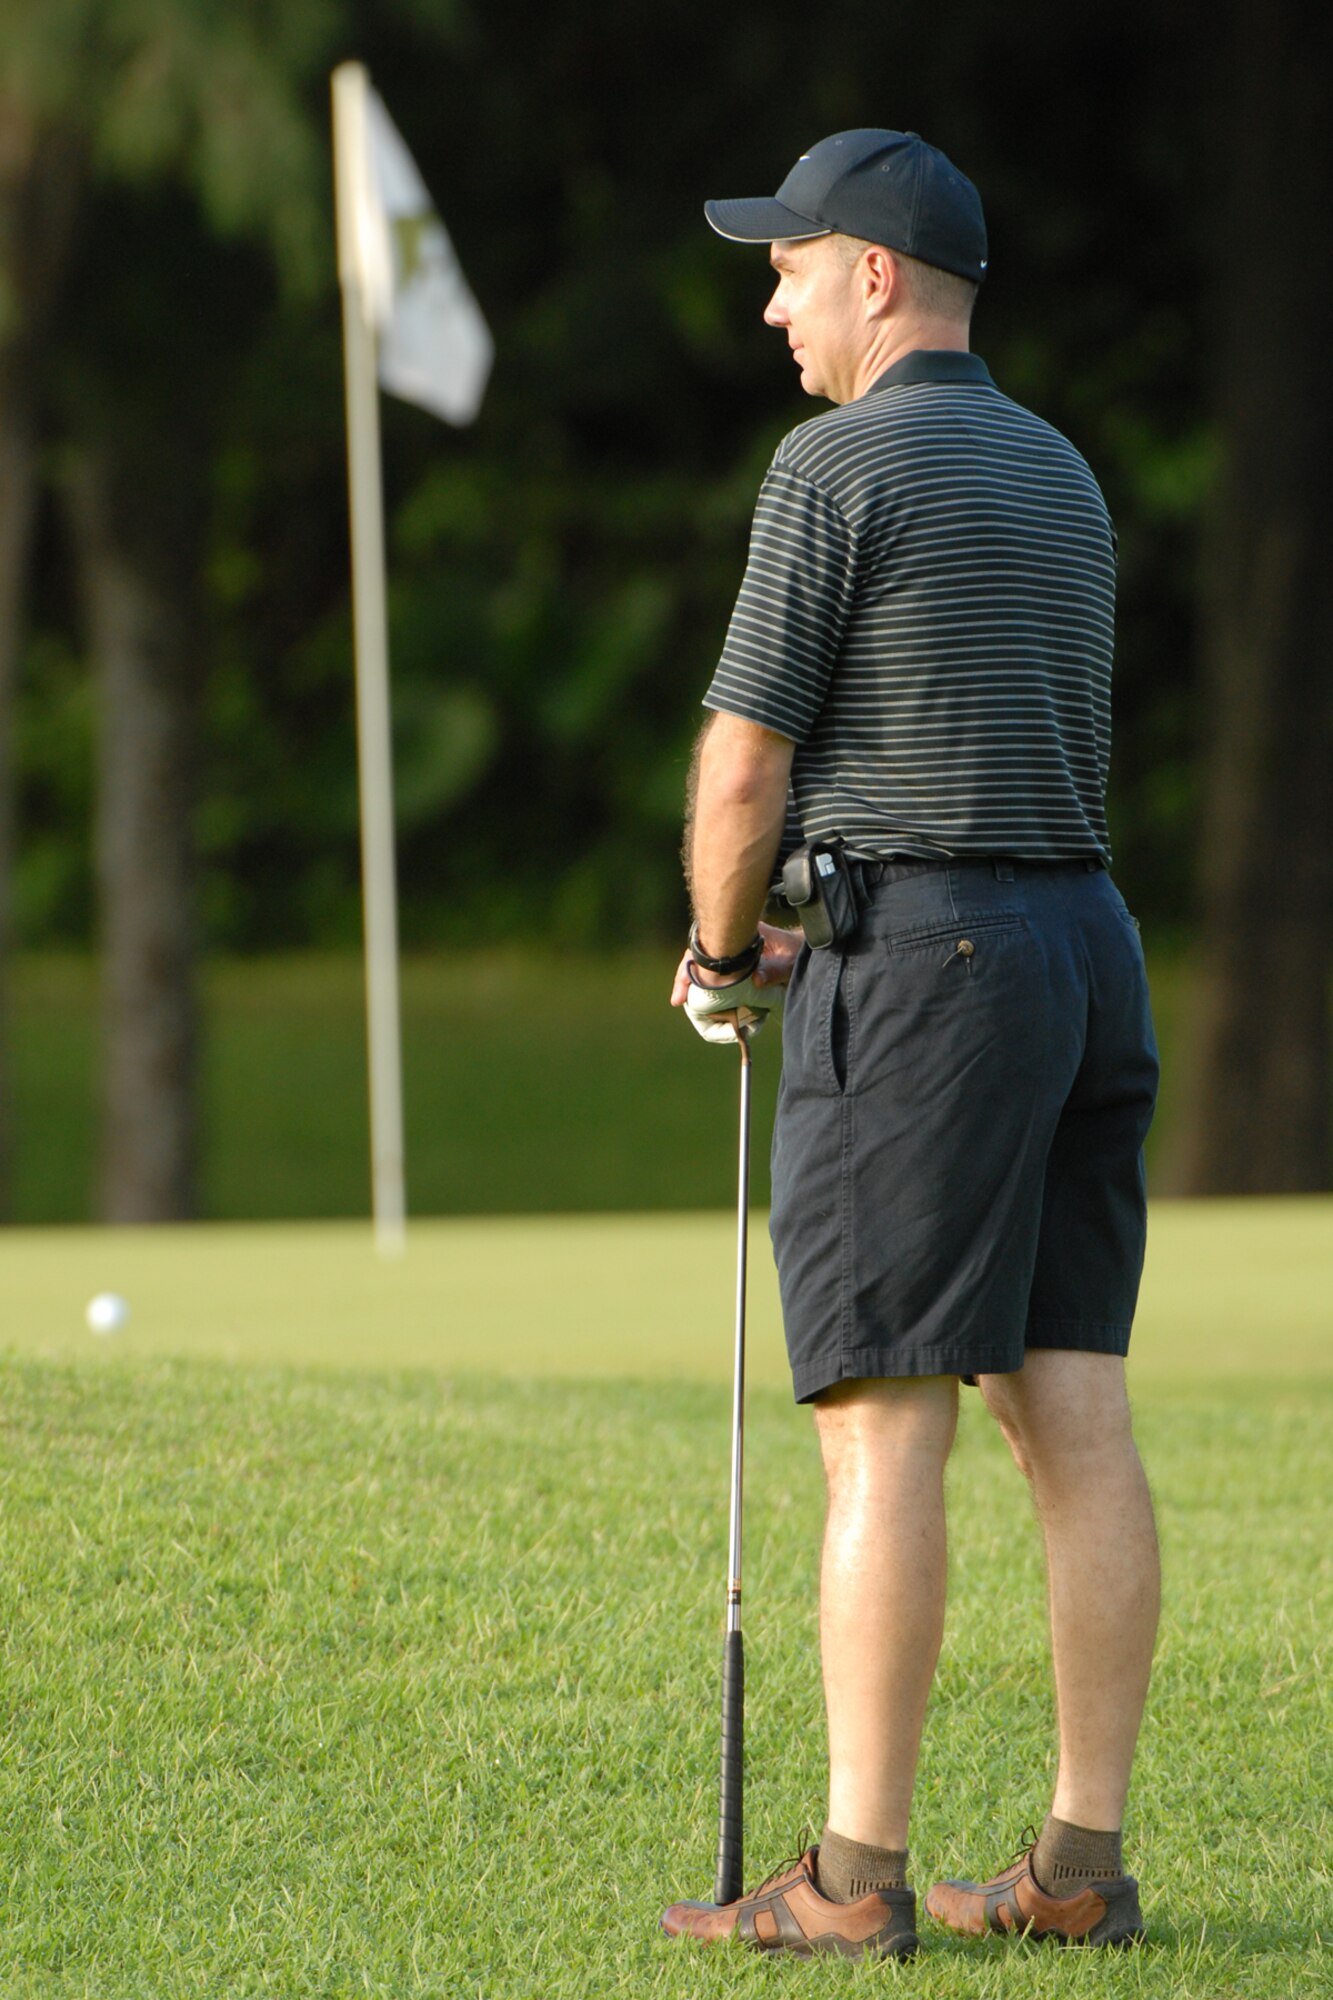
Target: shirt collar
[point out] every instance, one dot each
(934, 364)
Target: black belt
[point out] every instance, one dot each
(873, 870)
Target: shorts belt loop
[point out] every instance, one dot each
(1004, 871)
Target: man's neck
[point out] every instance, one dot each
(894, 342)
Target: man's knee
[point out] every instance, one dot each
(1063, 1404)
(915, 1415)
(999, 1394)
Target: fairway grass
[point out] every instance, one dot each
(1231, 1287)
(325, 1684)
(337, 1660)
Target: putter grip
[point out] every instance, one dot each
(727, 1886)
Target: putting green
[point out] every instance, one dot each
(1232, 1287)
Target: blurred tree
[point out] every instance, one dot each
(39, 176)
(602, 505)
(208, 97)
(1258, 1046)
(561, 574)
(136, 408)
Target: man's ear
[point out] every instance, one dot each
(881, 279)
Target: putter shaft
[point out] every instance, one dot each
(727, 1884)
(738, 1374)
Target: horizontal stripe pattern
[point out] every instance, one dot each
(928, 611)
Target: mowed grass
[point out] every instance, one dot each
(1230, 1286)
(339, 1660)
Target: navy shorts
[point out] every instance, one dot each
(958, 1152)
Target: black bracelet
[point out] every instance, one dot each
(739, 963)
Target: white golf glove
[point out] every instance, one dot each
(704, 1004)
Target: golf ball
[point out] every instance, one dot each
(107, 1313)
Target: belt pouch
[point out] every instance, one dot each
(817, 881)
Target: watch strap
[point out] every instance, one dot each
(739, 963)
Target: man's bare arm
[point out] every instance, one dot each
(736, 807)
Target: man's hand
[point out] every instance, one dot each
(701, 992)
(773, 970)
(725, 1013)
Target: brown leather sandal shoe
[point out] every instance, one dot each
(787, 1913)
(1014, 1904)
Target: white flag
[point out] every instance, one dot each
(435, 348)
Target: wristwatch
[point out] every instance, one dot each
(740, 962)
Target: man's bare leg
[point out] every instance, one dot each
(1066, 1418)
(885, 1444)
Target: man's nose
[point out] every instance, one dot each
(775, 314)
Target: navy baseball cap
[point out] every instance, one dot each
(888, 187)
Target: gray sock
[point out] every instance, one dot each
(848, 1869)
(1066, 1858)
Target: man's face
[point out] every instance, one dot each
(817, 301)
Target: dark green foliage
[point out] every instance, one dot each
(561, 574)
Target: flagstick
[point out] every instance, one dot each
(379, 889)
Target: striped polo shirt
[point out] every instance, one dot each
(927, 611)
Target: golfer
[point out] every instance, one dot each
(918, 668)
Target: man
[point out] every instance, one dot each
(919, 661)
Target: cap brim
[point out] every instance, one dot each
(762, 220)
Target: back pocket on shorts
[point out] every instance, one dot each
(958, 944)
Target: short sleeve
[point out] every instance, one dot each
(793, 606)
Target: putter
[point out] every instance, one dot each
(730, 1834)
